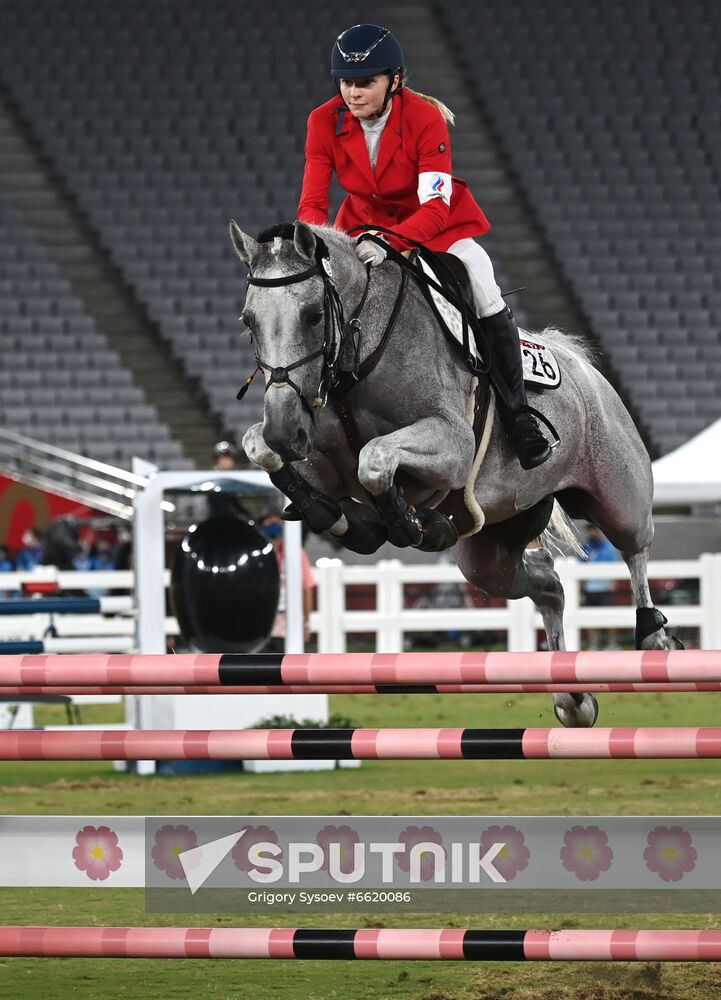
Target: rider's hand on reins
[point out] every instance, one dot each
(370, 253)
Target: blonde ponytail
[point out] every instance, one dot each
(443, 108)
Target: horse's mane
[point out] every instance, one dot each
(334, 237)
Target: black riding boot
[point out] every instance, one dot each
(521, 426)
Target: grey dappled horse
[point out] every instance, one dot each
(375, 474)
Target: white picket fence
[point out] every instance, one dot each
(390, 621)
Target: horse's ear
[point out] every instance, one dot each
(304, 241)
(245, 246)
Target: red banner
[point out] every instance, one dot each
(23, 507)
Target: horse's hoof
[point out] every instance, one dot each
(401, 520)
(660, 639)
(439, 531)
(650, 633)
(663, 639)
(576, 711)
(366, 530)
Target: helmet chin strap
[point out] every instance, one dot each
(389, 93)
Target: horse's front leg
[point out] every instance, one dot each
(356, 525)
(258, 451)
(319, 511)
(436, 451)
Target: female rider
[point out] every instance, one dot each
(390, 149)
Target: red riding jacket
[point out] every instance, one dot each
(409, 189)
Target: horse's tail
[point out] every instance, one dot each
(561, 536)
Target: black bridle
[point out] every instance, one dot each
(336, 331)
(340, 350)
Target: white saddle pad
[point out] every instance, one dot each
(540, 366)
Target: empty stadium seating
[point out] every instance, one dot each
(609, 111)
(60, 383)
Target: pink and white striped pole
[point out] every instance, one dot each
(408, 944)
(363, 744)
(378, 669)
(662, 687)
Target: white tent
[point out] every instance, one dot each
(692, 473)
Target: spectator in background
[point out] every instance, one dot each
(31, 554)
(225, 456)
(598, 593)
(272, 526)
(102, 556)
(123, 558)
(225, 503)
(99, 557)
(6, 566)
(63, 543)
(81, 560)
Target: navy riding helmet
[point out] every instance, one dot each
(367, 50)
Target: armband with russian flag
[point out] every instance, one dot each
(434, 184)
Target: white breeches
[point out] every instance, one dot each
(486, 292)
